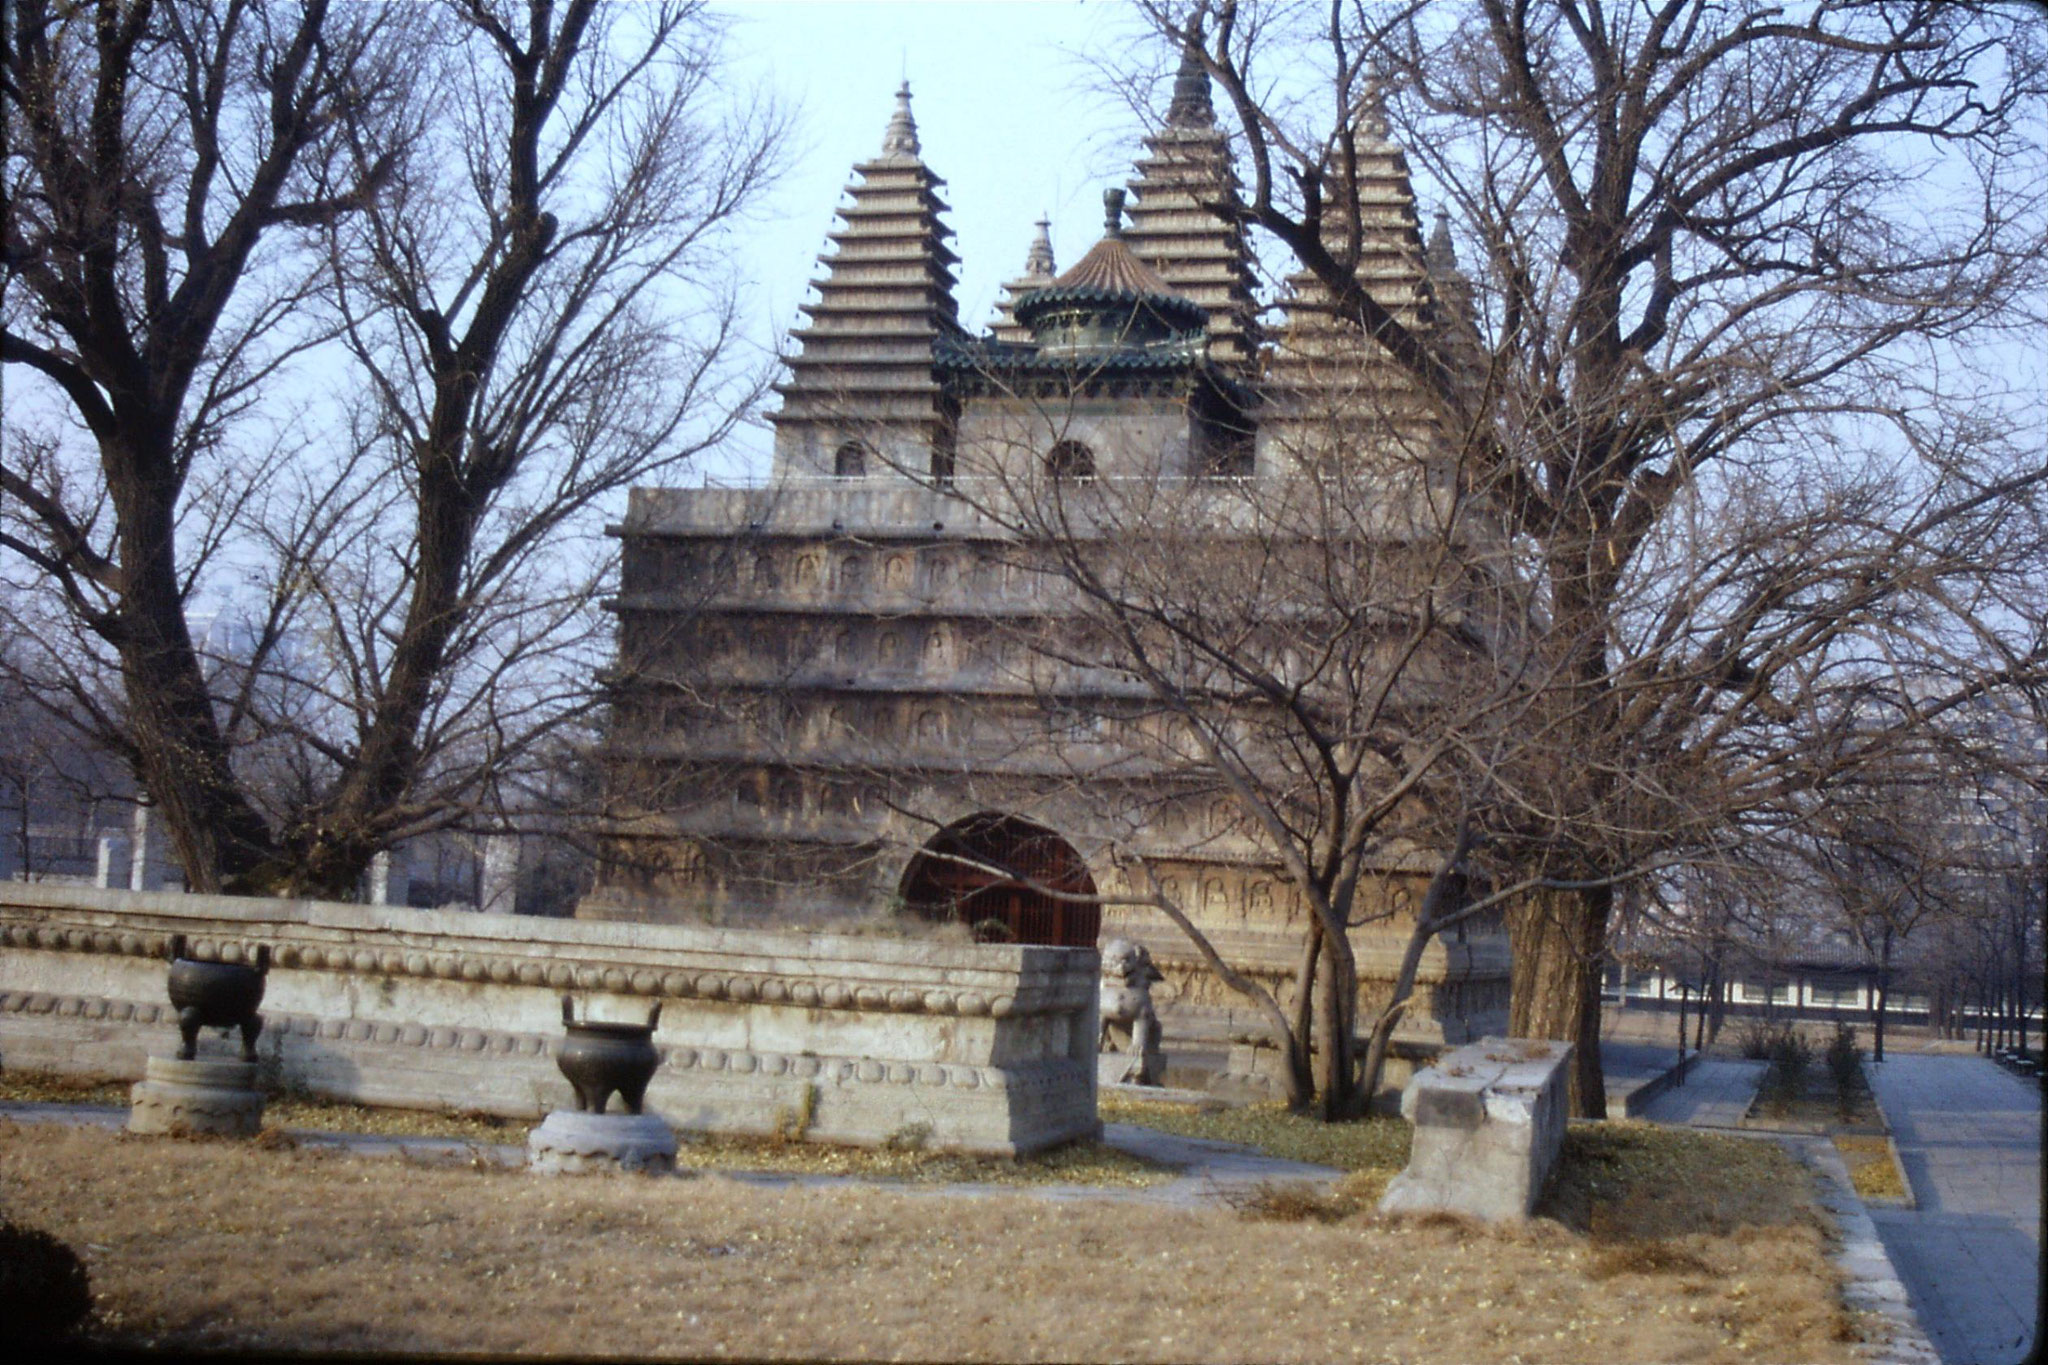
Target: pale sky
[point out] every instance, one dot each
(1005, 115)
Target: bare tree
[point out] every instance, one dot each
(1290, 669)
(161, 163)
(1973, 839)
(1711, 269)
(527, 294)
(1887, 870)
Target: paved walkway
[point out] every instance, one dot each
(1715, 1094)
(1210, 1172)
(1969, 1135)
(1629, 1067)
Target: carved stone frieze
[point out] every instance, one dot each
(538, 965)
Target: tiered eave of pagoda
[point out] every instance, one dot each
(1175, 229)
(864, 370)
(1329, 383)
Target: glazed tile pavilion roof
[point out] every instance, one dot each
(1111, 275)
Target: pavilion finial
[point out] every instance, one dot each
(901, 137)
(1113, 213)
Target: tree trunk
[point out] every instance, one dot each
(1336, 1049)
(1397, 1003)
(28, 866)
(1301, 1080)
(1884, 984)
(1559, 938)
(181, 756)
(1719, 1015)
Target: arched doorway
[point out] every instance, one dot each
(976, 871)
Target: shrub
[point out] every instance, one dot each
(1844, 1061)
(1753, 1037)
(1790, 1057)
(45, 1294)
(1790, 1052)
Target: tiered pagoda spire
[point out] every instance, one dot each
(1326, 380)
(1200, 255)
(1457, 319)
(1038, 273)
(864, 374)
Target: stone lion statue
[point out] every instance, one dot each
(1130, 1027)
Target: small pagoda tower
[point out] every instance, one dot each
(861, 397)
(1198, 253)
(1038, 273)
(1334, 392)
(1457, 319)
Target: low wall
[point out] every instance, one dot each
(1489, 1122)
(847, 1038)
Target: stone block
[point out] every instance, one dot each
(1489, 1122)
(202, 1096)
(572, 1143)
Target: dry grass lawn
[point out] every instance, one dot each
(207, 1243)
(1376, 1143)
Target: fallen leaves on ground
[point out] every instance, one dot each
(211, 1243)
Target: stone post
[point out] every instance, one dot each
(498, 884)
(150, 863)
(115, 862)
(390, 877)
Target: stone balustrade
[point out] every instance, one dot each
(846, 1038)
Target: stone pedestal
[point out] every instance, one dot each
(569, 1142)
(204, 1096)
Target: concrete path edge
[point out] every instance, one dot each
(1871, 1283)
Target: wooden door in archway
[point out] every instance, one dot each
(1008, 880)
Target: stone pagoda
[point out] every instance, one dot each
(835, 701)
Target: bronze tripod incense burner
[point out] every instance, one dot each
(216, 995)
(601, 1058)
